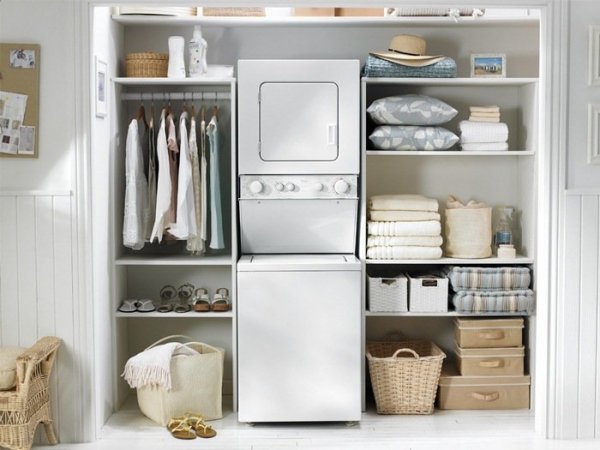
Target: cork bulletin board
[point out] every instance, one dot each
(19, 100)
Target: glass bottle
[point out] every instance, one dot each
(503, 232)
(197, 48)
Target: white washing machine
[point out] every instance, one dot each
(299, 338)
(298, 117)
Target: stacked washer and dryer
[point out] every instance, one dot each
(299, 281)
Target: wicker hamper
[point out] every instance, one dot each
(404, 375)
(146, 65)
(388, 294)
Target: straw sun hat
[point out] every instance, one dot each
(408, 50)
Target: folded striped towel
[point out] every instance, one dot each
(474, 132)
(402, 202)
(408, 216)
(485, 109)
(419, 228)
(518, 300)
(401, 252)
(406, 241)
(485, 146)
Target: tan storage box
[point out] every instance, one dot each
(359, 12)
(314, 12)
(506, 392)
(490, 361)
(486, 333)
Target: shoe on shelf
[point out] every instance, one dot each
(145, 305)
(184, 293)
(197, 423)
(200, 300)
(128, 306)
(220, 301)
(180, 428)
(168, 294)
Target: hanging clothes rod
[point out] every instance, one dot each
(186, 96)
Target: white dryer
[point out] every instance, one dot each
(299, 117)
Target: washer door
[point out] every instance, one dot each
(299, 121)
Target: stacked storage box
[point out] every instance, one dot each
(490, 362)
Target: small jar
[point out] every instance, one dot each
(506, 251)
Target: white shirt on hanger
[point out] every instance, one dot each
(163, 190)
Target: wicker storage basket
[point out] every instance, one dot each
(233, 12)
(388, 294)
(146, 65)
(404, 375)
(428, 293)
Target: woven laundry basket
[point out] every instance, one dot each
(146, 65)
(404, 375)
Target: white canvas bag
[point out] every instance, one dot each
(468, 230)
(196, 382)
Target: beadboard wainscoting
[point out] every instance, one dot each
(578, 317)
(38, 290)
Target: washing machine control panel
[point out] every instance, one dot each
(298, 186)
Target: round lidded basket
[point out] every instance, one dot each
(146, 65)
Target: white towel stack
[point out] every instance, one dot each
(483, 131)
(404, 227)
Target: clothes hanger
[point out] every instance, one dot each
(141, 115)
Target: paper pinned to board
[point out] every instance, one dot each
(12, 113)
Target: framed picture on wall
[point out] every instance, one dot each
(594, 56)
(488, 65)
(101, 86)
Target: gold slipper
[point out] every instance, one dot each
(202, 429)
(180, 428)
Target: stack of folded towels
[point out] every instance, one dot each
(404, 227)
(483, 131)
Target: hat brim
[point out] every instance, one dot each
(409, 60)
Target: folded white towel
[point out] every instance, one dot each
(472, 132)
(407, 241)
(484, 109)
(401, 252)
(485, 146)
(402, 202)
(484, 119)
(419, 228)
(408, 216)
(153, 366)
(485, 114)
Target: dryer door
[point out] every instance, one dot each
(299, 121)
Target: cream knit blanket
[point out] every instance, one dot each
(420, 228)
(403, 203)
(407, 241)
(153, 366)
(401, 252)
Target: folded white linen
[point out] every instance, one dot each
(407, 241)
(153, 366)
(485, 109)
(408, 216)
(472, 132)
(401, 252)
(484, 119)
(485, 146)
(402, 202)
(485, 114)
(419, 228)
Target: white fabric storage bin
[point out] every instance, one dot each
(468, 233)
(428, 293)
(388, 294)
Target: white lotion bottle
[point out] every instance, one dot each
(176, 57)
(197, 48)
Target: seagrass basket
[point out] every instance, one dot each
(404, 375)
(146, 65)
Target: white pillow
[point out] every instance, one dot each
(8, 366)
(410, 109)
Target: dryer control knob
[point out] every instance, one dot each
(256, 187)
(289, 187)
(341, 187)
(318, 187)
(279, 187)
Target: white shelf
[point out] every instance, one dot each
(443, 314)
(132, 81)
(174, 260)
(141, 20)
(452, 81)
(449, 153)
(453, 261)
(187, 315)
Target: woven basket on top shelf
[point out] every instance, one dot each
(404, 375)
(233, 12)
(146, 65)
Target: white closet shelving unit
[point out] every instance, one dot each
(510, 178)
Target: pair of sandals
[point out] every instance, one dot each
(144, 305)
(220, 302)
(178, 300)
(190, 426)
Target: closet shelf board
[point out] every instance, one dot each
(174, 260)
(140, 20)
(132, 81)
(187, 315)
(449, 153)
(445, 314)
(445, 261)
(452, 81)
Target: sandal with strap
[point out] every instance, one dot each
(200, 301)
(196, 421)
(184, 293)
(167, 294)
(180, 428)
(220, 301)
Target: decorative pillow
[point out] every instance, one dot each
(406, 137)
(8, 366)
(410, 109)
